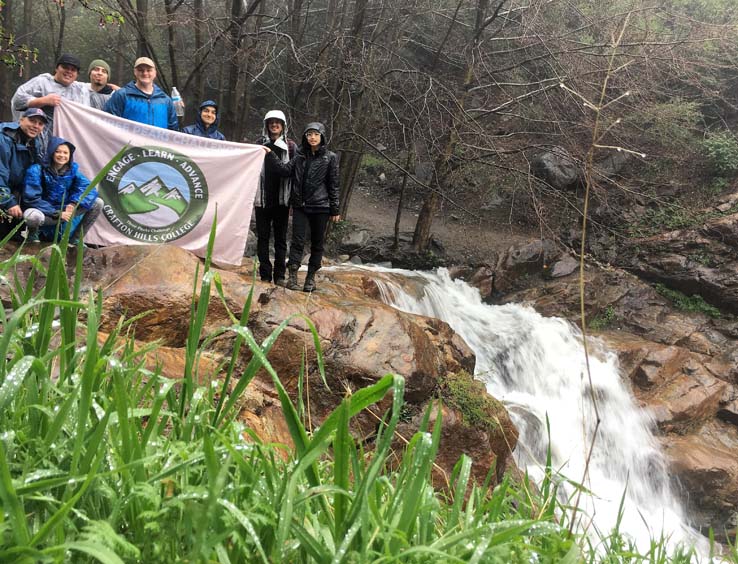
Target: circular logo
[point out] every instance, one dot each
(153, 194)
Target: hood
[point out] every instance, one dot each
(198, 119)
(275, 114)
(316, 125)
(54, 143)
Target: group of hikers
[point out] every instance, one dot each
(41, 184)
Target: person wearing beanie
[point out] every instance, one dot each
(314, 199)
(46, 91)
(206, 123)
(272, 201)
(100, 89)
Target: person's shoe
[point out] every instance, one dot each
(281, 282)
(292, 282)
(264, 279)
(309, 282)
(32, 237)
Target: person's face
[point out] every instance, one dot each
(66, 74)
(208, 115)
(32, 126)
(145, 75)
(99, 75)
(313, 138)
(61, 155)
(275, 128)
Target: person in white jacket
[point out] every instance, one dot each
(47, 90)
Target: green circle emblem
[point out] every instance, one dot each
(153, 194)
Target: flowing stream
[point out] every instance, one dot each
(536, 366)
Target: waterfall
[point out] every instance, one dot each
(536, 366)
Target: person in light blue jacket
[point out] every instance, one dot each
(143, 101)
(55, 193)
(206, 124)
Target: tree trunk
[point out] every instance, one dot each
(350, 161)
(62, 27)
(6, 26)
(401, 201)
(26, 33)
(199, 83)
(171, 39)
(142, 25)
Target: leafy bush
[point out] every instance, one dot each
(721, 149)
(603, 319)
(694, 303)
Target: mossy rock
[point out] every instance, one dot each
(469, 396)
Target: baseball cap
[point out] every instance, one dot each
(36, 112)
(67, 59)
(144, 61)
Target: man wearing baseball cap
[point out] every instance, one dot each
(19, 149)
(143, 101)
(46, 91)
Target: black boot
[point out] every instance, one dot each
(309, 282)
(292, 282)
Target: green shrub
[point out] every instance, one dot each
(694, 303)
(721, 149)
(603, 319)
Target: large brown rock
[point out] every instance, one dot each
(705, 470)
(361, 339)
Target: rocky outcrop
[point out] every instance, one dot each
(682, 368)
(361, 339)
(694, 261)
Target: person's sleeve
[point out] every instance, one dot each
(275, 166)
(172, 117)
(116, 104)
(333, 185)
(24, 94)
(33, 192)
(80, 184)
(7, 200)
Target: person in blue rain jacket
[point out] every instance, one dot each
(54, 193)
(206, 123)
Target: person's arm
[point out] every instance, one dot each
(275, 166)
(116, 104)
(79, 185)
(172, 121)
(7, 199)
(333, 185)
(33, 192)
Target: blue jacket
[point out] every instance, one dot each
(198, 128)
(15, 158)
(49, 192)
(131, 103)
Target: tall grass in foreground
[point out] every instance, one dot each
(104, 460)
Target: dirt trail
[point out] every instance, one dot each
(466, 239)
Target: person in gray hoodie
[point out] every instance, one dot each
(272, 202)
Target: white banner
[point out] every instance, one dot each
(165, 187)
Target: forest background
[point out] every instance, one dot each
(455, 97)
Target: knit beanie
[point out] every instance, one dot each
(98, 63)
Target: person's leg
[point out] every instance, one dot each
(88, 218)
(263, 231)
(34, 219)
(299, 224)
(318, 224)
(280, 222)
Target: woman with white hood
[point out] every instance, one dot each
(272, 202)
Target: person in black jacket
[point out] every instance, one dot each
(313, 199)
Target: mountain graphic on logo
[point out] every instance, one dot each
(150, 196)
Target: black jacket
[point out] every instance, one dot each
(318, 188)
